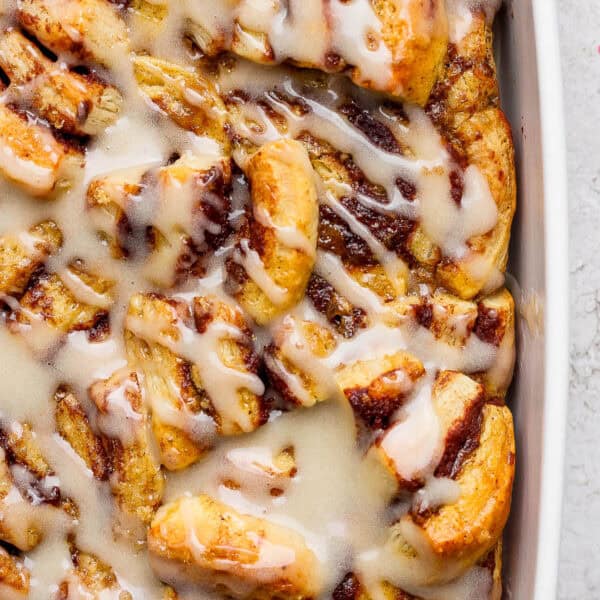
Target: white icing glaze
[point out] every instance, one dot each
(348, 29)
(330, 267)
(83, 292)
(448, 224)
(341, 516)
(40, 179)
(444, 220)
(461, 15)
(394, 266)
(437, 492)
(287, 235)
(414, 443)
(222, 383)
(334, 513)
(461, 21)
(118, 418)
(256, 270)
(357, 38)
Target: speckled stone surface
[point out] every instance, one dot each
(579, 571)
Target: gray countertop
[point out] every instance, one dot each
(580, 549)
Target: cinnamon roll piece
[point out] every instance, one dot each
(276, 246)
(200, 372)
(198, 539)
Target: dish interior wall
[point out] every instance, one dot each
(518, 73)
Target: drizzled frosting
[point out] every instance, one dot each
(338, 496)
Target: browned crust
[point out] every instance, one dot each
(282, 187)
(464, 105)
(14, 576)
(73, 425)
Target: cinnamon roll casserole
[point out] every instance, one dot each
(255, 337)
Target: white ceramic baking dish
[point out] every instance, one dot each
(529, 67)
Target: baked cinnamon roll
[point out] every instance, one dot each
(256, 338)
